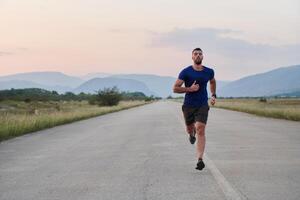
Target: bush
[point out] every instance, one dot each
(151, 98)
(108, 96)
(92, 100)
(27, 100)
(126, 96)
(262, 99)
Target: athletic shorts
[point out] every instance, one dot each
(195, 114)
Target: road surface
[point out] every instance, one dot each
(144, 153)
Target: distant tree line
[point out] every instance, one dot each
(37, 94)
(106, 96)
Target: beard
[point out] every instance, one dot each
(198, 61)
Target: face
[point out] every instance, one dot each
(197, 57)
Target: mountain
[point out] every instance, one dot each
(220, 84)
(284, 80)
(19, 84)
(161, 85)
(129, 85)
(95, 75)
(289, 94)
(279, 81)
(153, 84)
(46, 78)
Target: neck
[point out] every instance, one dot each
(198, 67)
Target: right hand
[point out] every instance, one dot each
(194, 87)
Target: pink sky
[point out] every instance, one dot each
(79, 37)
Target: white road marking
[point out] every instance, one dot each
(229, 192)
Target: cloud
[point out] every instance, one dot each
(22, 49)
(218, 42)
(3, 53)
(232, 58)
(115, 30)
(14, 51)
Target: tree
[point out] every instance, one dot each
(108, 96)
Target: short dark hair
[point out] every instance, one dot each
(197, 49)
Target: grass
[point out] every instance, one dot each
(19, 118)
(275, 108)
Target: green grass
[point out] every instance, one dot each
(275, 108)
(18, 118)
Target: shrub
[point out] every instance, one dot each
(108, 96)
(92, 100)
(27, 100)
(151, 98)
(262, 99)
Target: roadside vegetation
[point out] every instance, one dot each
(27, 110)
(275, 107)
(281, 108)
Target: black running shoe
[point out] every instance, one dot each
(192, 137)
(200, 164)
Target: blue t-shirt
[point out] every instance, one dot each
(189, 75)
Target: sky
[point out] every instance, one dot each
(77, 37)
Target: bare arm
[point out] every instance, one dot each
(177, 88)
(213, 86)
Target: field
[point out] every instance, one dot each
(276, 108)
(18, 118)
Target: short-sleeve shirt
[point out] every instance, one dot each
(189, 75)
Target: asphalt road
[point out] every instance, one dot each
(144, 153)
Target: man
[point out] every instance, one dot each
(195, 107)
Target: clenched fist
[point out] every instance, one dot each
(194, 87)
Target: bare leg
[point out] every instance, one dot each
(190, 128)
(200, 130)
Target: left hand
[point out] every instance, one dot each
(212, 100)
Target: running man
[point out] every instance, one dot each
(195, 107)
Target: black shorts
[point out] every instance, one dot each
(195, 114)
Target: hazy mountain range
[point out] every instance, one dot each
(90, 76)
(282, 81)
(130, 85)
(46, 78)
